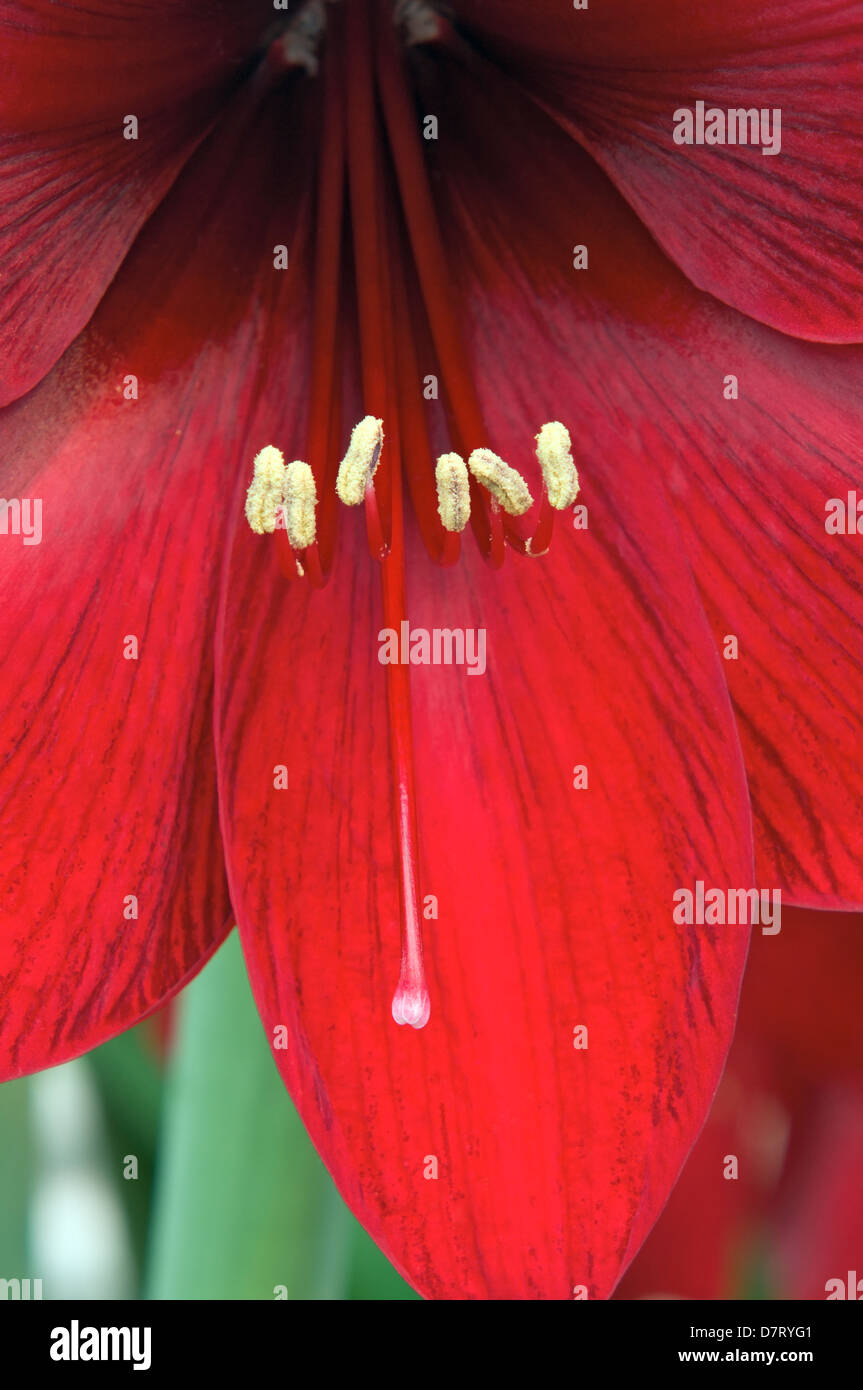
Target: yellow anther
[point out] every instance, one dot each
(554, 451)
(266, 490)
(300, 502)
(453, 492)
(357, 468)
(503, 482)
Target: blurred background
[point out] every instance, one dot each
(170, 1163)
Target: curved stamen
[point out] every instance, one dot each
(359, 465)
(355, 482)
(559, 486)
(554, 451)
(378, 545)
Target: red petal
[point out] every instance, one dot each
(704, 1239)
(73, 191)
(554, 904)
(776, 236)
(108, 784)
(796, 1057)
(636, 360)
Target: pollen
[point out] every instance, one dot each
(358, 466)
(503, 482)
(554, 451)
(300, 502)
(266, 491)
(453, 492)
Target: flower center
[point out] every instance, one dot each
(371, 149)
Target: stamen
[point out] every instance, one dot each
(300, 502)
(324, 414)
(266, 491)
(378, 547)
(554, 451)
(359, 464)
(453, 492)
(503, 482)
(430, 259)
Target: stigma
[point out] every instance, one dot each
(411, 1005)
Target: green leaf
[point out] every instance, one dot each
(16, 1167)
(243, 1203)
(129, 1084)
(128, 1078)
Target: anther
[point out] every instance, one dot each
(266, 491)
(504, 483)
(453, 492)
(554, 452)
(358, 466)
(300, 502)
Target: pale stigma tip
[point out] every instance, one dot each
(411, 1005)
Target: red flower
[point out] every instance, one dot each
(770, 1190)
(149, 348)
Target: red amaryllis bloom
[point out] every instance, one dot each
(280, 253)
